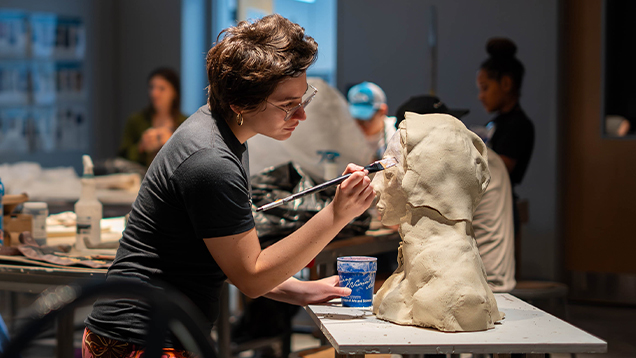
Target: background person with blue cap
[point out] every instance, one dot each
(367, 105)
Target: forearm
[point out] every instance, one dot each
(288, 292)
(256, 272)
(302, 293)
(286, 257)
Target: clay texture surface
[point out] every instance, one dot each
(432, 194)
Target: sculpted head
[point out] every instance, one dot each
(440, 281)
(433, 169)
(388, 183)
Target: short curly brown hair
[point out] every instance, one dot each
(251, 59)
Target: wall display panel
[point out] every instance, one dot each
(43, 95)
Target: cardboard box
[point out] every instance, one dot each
(15, 224)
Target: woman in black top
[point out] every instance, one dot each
(499, 82)
(192, 225)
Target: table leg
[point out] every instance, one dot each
(223, 323)
(64, 335)
(13, 309)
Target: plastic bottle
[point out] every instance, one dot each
(88, 209)
(39, 211)
(1, 213)
(329, 165)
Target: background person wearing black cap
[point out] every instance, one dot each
(367, 105)
(424, 104)
(493, 218)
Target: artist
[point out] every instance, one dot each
(192, 226)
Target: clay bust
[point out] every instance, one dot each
(432, 194)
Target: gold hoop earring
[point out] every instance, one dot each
(239, 119)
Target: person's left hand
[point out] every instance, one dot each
(304, 293)
(163, 134)
(154, 138)
(324, 290)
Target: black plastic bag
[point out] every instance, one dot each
(282, 181)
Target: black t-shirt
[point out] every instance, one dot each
(196, 187)
(514, 138)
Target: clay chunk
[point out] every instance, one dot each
(432, 195)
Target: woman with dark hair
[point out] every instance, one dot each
(499, 82)
(192, 225)
(147, 131)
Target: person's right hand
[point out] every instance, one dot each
(355, 194)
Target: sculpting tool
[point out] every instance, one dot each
(372, 168)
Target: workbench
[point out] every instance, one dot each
(525, 329)
(17, 277)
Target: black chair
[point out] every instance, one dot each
(169, 310)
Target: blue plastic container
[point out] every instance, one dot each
(357, 273)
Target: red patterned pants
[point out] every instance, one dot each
(96, 346)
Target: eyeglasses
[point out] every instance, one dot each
(306, 100)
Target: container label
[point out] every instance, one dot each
(39, 227)
(84, 225)
(361, 285)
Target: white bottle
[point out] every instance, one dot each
(39, 211)
(330, 167)
(88, 209)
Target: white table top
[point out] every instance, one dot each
(525, 329)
